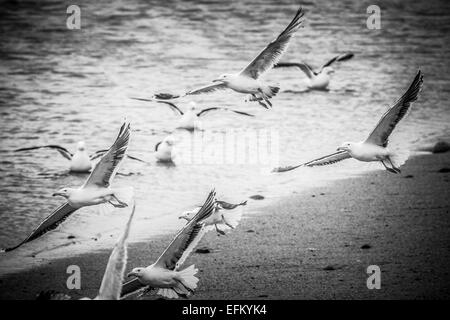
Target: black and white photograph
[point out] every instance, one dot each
(199, 152)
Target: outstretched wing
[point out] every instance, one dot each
(207, 89)
(108, 165)
(48, 224)
(380, 135)
(175, 252)
(170, 104)
(111, 286)
(322, 161)
(271, 54)
(100, 153)
(204, 111)
(341, 57)
(63, 151)
(302, 66)
(180, 247)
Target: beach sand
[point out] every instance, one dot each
(315, 244)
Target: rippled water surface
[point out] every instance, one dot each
(60, 86)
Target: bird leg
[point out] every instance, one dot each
(226, 222)
(387, 168)
(397, 170)
(220, 232)
(119, 204)
(266, 98)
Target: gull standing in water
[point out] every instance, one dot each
(111, 286)
(375, 147)
(96, 190)
(317, 79)
(248, 81)
(80, 161)
(190, 118)
(164, 274)
(228, 218)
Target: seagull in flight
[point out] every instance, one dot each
(224, 215)
(375, 147)
(318, 79)
(164, 274)
(96, 190)
(80, 161)
(248, 81)
(190, 118)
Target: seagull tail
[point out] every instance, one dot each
(271, 91)
(399, 157)
(187, 278)
(233, 217)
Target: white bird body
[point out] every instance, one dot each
(159, 277)
(189, 120)
(89, 196)
(242, 83)
(163, 150)
(319, 82)
(81, 161)
(367, 152)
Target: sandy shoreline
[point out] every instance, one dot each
(308, 245)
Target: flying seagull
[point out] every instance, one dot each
(375, 147)
(80, 161)
(318, 79)
(189, 118)
(222, 216)
(164, 274)
(248, 81)
(96, 190)
(115, 269)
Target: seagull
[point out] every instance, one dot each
(219, 217)
(80, 161)
(375, 147)
(96, 189)
(190, 118)
(163, 149)
(115, 269)
(320, 78)
(247, 80)
(164, 274)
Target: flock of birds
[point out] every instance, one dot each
(165, 275)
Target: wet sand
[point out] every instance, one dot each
(312, 245)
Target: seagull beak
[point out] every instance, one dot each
(217, 80)
(340, 149)
(183, 217)
(56, 194)
(131, 274)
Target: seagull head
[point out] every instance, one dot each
(81, 146)
(64, 192)
(188, 215)
(192, 106)
(169, 140)
(136, 272)
(224, 78)
(346, 146)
